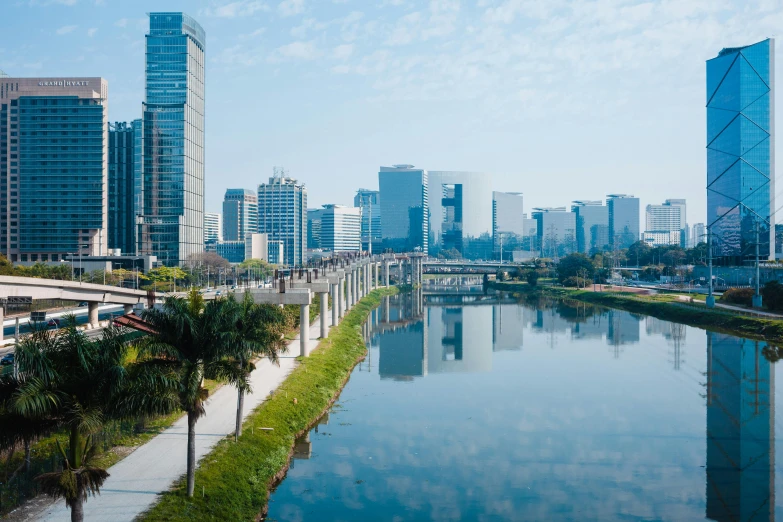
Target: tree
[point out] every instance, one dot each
(193, 341)
(772, 295)
(575, 265)
(66, 381)
(532, 277)
(208, 259)
(259, 332)
(164, 275)
(638, 253)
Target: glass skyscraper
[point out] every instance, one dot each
(592, 226)
(740, 150)
(405, 213)
(282, 214)
(53, 167)
(461, 213)
(122, 186)
(240, 214)
(370, 203)
(172, 224)
(623, 220)
(556, 231)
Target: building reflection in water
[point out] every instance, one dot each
(740, 430)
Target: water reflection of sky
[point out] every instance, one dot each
(509, 412)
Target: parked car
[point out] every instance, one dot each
(7, 360)
(218, 292)
(83, 303)
(54, 321)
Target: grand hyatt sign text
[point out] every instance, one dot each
(64, 83)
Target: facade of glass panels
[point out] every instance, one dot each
(282, 214)
(740, 430)
(122, 186)
(623, 220)
(405, 213)
(370, 203)
(240, 214)
(508, 221)
(592, 226)
(314, 216)
(53, 167)
(556, 230)
(740, 150)
(461, 213)
(172, 224)
(341, 228)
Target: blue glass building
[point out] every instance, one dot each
(53, 167)
(172, 224)
(405, 213)
(740, 430)
(122, 186)
(740, 150)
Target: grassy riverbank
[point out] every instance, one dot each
(665, 307)
(235, 477)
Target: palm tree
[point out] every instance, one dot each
(192, 342)
(258, 332)
(68, 382)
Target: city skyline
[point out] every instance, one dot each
(279, 40)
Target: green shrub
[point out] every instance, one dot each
(740, 296)
(576, 282)
(532, 277)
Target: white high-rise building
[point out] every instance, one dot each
(341, 228)
(666, 223)
(240, 214)
(213, 227)
(698, 234)
(282, 213)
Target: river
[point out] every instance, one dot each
(482, 408)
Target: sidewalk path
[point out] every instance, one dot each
(135, 482)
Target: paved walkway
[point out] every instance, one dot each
(136, 481)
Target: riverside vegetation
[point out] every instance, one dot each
(236, 477)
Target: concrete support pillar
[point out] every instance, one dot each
(304, 330)
(126, 309)
(377, 267)
(335, 305)
(324, 302)
(341, 298)
(355, 286)
(386, 269)
(366, 279)
(2, 318)
(92, 314)
(348, 289)
(386, 309)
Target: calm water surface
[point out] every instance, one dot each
(494, 410)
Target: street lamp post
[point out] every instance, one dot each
(710, 301)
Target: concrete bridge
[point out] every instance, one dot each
(94, 295)
(463, 267)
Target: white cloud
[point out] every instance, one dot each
(122, 22)
(290, 7)
(235, 9)
(343, 52)
(66, 29)
(295, 51)
(91, 31)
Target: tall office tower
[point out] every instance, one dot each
(592, 226)
(213, 227)
(240, 214)
(172, 223)
(282, 214)
(341, 228)
(741, 151)
(314, 216)
(698, 234)
(530, 235)
(461, 213)
(405, 212)
(122, 187)
(508, 222)
(53, 167)
(556, 230)
(370, 203)
(623, 220)
(665, 224)
(740, 467)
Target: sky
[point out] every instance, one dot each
(561, 100)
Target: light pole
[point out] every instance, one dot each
(710, 301)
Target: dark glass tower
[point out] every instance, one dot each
(172, 224)
(122, 186)
(740, 150)
(405, 212)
